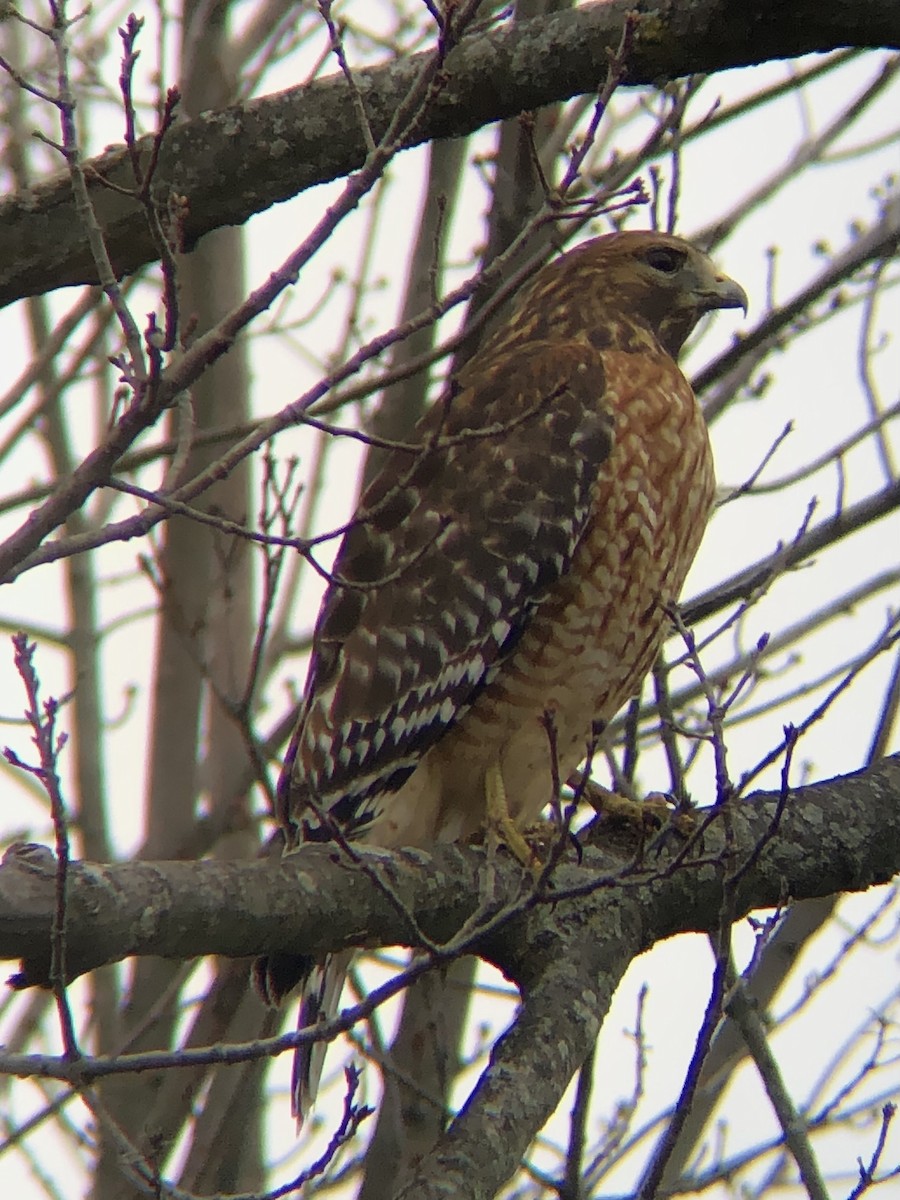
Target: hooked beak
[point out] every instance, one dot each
(725, 293)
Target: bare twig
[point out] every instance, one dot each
(42, 720)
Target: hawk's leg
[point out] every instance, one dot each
(500, 826)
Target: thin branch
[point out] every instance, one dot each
(743, 1011)
(42, 720)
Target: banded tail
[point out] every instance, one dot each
(320, 984)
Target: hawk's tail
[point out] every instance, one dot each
(275, 977)
(319, 1003)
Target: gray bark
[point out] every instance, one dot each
(237, 161)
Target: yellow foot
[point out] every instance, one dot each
(655, 811)
(501, 829)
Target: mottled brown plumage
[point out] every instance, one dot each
(519, 563)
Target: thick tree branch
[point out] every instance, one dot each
(838, 835)
(187, 909)
(233, 163)
(566, 957)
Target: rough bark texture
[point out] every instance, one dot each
(838, 835)
(232, 163)
(566, 957)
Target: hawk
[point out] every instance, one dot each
(517, 561)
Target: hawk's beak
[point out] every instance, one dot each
(725, 293)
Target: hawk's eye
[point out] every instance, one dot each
(664, 259)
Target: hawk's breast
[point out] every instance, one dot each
(594, 637)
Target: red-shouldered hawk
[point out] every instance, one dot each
(517, 564)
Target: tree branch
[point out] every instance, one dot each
(572, 963)
(566, 956)
(837, 835)
(232, 163)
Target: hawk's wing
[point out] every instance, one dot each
(452, 549)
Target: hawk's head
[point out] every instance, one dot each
(618, 288)
(668, 281)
